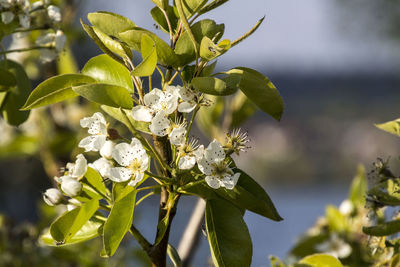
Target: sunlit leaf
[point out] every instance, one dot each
(149, 55)
(212, 86)
(159, 18)
(392, 127)
(321, 260)
(110, 23)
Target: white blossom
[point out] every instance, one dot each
(134, 161)
(54, 13)
(188, 154)
(69, 185)
(52, 197)
(55, 42)
(335, 246)
(217, 170)
(97, 127)
(188, 97)
(7, 17)
(107, 149)
(78, 169)
(103, 166)
(160, 124)
(177, 135)
(24, 20)
(346, 207)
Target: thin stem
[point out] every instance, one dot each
(164, 179)
(191, 122)
(24, 49)
(182, 188)
(162, 74)
(150, 84)
(144, 197)
(169, 25)
(31, 29)
(148, 187)
(173, 77)
(104, 207)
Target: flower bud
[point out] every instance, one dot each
(52, 197)
(113, 134)
(70, 186)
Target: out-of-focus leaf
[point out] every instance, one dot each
(104, 69)
(89, 230)
(21, 146)
(321, 260)
(228, 236)
(159, 18)
(16, 95)
(358, 188)
(392, 127)
(119, 221)
(387, 192)
(106, 94)
(66, 226)
(276, 262)
(7, 79)
(56, 89)
(117, 114)
(336, 220)
(383, 229)
(110, 23)
(242, 109)
(149, 55)
(165, 55)
(307, 245)
(66, 63)
(208, 117)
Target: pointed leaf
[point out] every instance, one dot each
(110, 23)
(228, 236)
(104, 69)
(96, 181)
(392, 127)
(149, 55)
(336, 220)
(119, 221)
(16, 95)
(56, 89)
(66, 226)
(159, 18)
(161, 3)
(106, 94)
(250, 32)
(321, 260)
(214, 4)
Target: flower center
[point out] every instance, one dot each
(136, 165)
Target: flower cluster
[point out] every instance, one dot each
(15, 9)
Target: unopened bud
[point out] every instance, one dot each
(70, 186)
(113, 134)
(52, 197)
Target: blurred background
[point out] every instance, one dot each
(336, 64)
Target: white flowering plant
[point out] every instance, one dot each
(155, 152)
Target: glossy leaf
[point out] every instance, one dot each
(383, 229)
(16, 96)
(110, 23)
(321, 260)
(149, 55)
(159, 18)
(129, 122)
(203, 28)
(190, 7)
(112, 44)
(89, 230)
(106, 94)
(212, 86)
(261, 91)
(165, 55)
(96, 181)
(56, 89)
(104, 69)
(392, 127)
(119, 221)
(66, 63)
(7, 79)
(66, 226)
(210, 51)
(228, 236)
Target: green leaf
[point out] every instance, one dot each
(56, 89)
(214, 4)
(208, 117)
(110, 23)
(242, 109)
(159, 18)
(190, 7)
(248, 194)
(165, 55)
(7, 79)
(204, 28)
(89, 230)
(210, 51)
(336, 220)
(392, 127)
(129, 122)
(66, 63)
(321, 260)
(174, 256)
(384, 229)
(163, 4)
(250, 32)
(119, 221)
(106, 94)
(212, 86)
(307, 245)
(66, 226)
(16, 95)
(92, 34)
(149, 55)
(228, 236)
(358, 188)
(104, 69)
(112, 44)
(96, 181)
(261, 91)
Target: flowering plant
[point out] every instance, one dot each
(155, 152)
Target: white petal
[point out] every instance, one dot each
(46, 39)
(54, 13)
(177, 136)
(7, 17)
(145, 162)
(52, 197)
(120, 174)
(60, 40)
(92, 142)
(24, 20)
(213, 182)
(80, 167)
(205, 166)
(160, 124)
(125, 153)
(70, 186)
(214, 152)
(186, 107)
(152, 98)
(186, 162)
(96, 124)
(47, 55)
(103, 166)
(199, 152)
(107, 149)
(142, 113)
(186, 94)
(229, 182)
(138, 177)
(170, 101)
